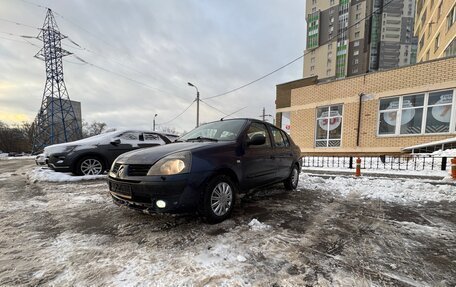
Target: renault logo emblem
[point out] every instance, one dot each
(121, 171)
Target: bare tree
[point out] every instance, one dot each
(93, 129)
(17, 138)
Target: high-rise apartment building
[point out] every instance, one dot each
(350, 37)
(435, 28)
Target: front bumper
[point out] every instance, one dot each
(180, 193)
(59, 162)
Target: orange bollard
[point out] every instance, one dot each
(358, 167)
(453, 168)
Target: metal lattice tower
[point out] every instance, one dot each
(56, 121)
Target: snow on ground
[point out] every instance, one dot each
(4, 156)
(445, 153)
(327, 233)
(390, 190)
(45, 174)
(386, 172)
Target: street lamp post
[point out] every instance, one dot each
(154, 121)
(197, 103)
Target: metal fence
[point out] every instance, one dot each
(405, 162)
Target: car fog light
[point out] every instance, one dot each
(160, 204)
(59, 161)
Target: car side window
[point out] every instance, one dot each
(152, 137)
(257, 128)
(278, 138)
(129, 136)
(285, 139)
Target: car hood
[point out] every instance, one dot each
(153, 154)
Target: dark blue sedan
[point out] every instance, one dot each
(205, 169)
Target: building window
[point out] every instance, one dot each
(426, 113)
(357, 25)
(330, 46)
(355, 70)
(357, 35)
(356, 44)
(358, 7)
(451, 18)
(357, 16)
(356, 53)
(356, 61)
(439, 10)
(437, 42)
(332, 2)
(312, 60)
(314, 9)
(427, 55)
(421, 42)
(451, 49)
(314, 2)
(312, 68)
(328, 72)
(329, 126)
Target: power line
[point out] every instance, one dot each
(344, 30)
(214, 108)
(18, 24)
(123, 76)
(259, 79)
(177, 115)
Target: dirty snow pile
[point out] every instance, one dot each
(445, 153)
(390, 190)
(45, 174)
(255, 225)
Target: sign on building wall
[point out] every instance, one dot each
(286, 124)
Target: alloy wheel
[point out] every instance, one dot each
(221, 198)
(91, 166)
(294, 177)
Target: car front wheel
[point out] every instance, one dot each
(218, 201)
(291, 183)
(89, 165)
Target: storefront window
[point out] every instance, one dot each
(439, 112)
(329, 126)
(417, 114)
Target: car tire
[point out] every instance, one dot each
(89, 165)
(218, 199)
(291, 183)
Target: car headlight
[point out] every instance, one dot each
(177, 163)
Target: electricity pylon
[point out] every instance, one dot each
(56, 121)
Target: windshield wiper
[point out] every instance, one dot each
(202, 139)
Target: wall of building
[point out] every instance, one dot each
(431, 23)
(422, 77)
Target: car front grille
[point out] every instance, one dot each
(138, 169)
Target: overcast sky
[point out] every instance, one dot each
(151, 49)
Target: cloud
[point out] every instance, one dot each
(149, 50)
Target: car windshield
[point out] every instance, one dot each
(217, 131)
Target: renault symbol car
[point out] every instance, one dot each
(205, 169)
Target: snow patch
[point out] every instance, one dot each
(45, 174)
(256, 225)
(390, 190)
(445, 153)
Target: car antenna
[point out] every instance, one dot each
(233, 113)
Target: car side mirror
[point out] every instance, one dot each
(115, 142)
(257, 139)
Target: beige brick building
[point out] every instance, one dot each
(435, 27)
(375, 113)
